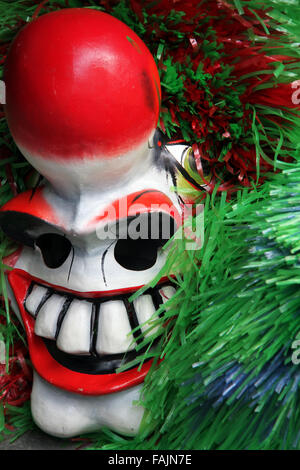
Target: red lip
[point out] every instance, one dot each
(53, 372)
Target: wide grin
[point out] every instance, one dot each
(72, 344)
(93, 336)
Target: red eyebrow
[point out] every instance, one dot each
(33, 204)
(149, 200)
(139, 202)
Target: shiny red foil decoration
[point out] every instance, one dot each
(16, 379)
(239, 167)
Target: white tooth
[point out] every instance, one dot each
(34, 299)
(145, 309)
(46, 322)
(166, 293)
(75, 332)
(113, 328)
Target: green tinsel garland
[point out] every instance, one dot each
(227, 380)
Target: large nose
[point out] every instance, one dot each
(87, 114)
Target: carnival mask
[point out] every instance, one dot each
(83, 99)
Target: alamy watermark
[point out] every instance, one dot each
(296, 354)
(153, 222)
(2, 352)
(296, 93)
(2, 92)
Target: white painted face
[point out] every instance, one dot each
(80, 286)
(80, 262)
(87, 123)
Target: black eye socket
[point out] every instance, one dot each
(55, 249)
(136, 255)
(151, 232)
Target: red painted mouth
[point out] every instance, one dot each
(91, 375)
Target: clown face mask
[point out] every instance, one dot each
(71, 287)
(83, 100)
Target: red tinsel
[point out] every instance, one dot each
(15, 384)
(16, 376)
(237, 52)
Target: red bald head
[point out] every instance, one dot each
(80, 83)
